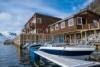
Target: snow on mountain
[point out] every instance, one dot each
(2, 37)
(9, 35)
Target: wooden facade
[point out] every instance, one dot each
(77, 27)
(36, 29)
(74, 29)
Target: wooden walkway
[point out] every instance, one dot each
(65, 62)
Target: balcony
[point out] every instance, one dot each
(90, 26)
(94, 26)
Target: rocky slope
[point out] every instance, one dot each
(95, 6)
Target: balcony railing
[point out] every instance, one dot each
(90, 26)
(94, 25)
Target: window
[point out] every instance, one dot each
(33, 31)
(71, 22)
(46, 30)
(95, 21)
(39, 20)
(56, 27)
(79, 20)
(84, 20)
(34, 20)
(51, 28)
(61, 39)
(62, 25)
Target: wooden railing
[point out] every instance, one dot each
(91, 26)
(94, 25)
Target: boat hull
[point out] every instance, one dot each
(67, 53)
(32, 55)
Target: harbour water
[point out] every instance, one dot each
(10, 56)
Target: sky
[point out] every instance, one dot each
(15, 13)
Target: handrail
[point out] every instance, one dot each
(90, 40)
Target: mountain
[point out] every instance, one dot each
(95, 6)
(2, 37)
(1, 34)
(11, 35)
(8, 35)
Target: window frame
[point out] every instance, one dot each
(57, 26)
(39, 20)
(51, 28)
(34, 20)
(71, 22)
(80, 20)
(62, 25)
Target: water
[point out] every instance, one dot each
(10, 56)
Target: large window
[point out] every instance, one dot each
(56, 26)
(33, 31)
(51, 28)
(71, 22)
(84, 20)
(95, 21)
(79, 20)
(39, 20)
(47, 30)
(62, 25)
(34, 20)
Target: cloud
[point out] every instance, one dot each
(51, 11)
(9, 22)
(5, 16)
(86, 3)
(15, 13)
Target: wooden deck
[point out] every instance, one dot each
(64, 61)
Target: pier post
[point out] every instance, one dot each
(81, 36)
(70, 38)
(75, 38)
(85, 34)
(95, 33)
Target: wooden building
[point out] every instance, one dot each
(36, 29)
(76, 28)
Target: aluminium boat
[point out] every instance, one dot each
(67, 50)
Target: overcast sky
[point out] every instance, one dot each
(15, 13)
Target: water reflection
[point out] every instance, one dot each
(13, 56)
(10, 56)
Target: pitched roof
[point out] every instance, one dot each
(41, 14)
(82, 11)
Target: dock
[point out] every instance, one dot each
(66, 62)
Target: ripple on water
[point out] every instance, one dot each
(9, 56)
